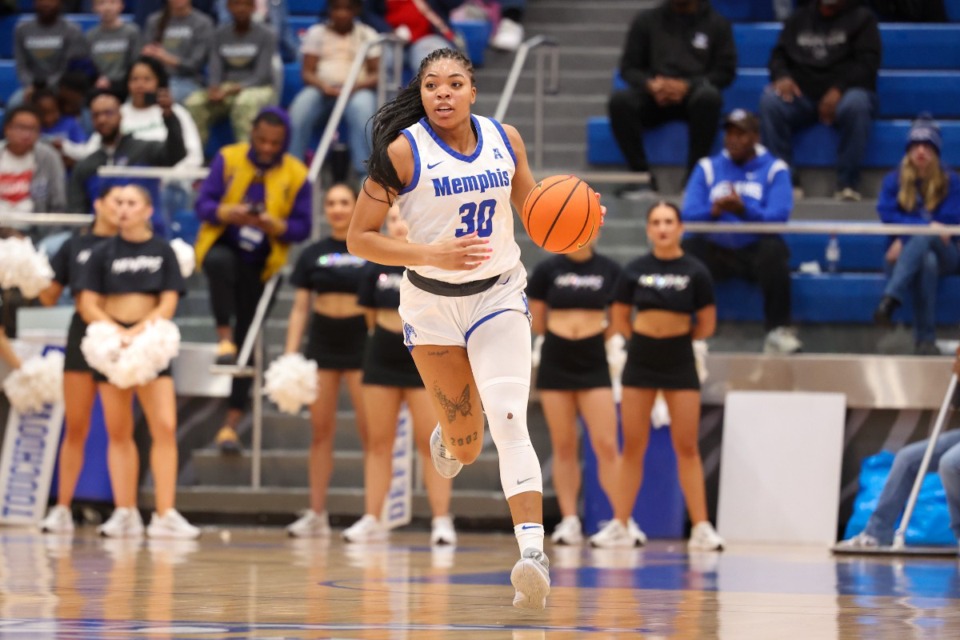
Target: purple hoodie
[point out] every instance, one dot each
(249, 242)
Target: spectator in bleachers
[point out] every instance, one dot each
(143, 9)
(920, 191)
(824, 69)
(328, 52)
(118, 148)
(745, 183)
(55, 126)
(423, 24)
(72, 92)
(677, 59)
(31, 172)
(240, 74)
(180, 37)
(275, 15)
(114, 44)
(43, 48)
(253, 205)
(509, 35)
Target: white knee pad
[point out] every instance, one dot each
(505, 405)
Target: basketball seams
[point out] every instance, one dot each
(546, 238)
(586, 221)
(528, 210)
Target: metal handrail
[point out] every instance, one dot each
(543, 46)
(159, 173)
(833, 228)
(253, 343)
(48, 219)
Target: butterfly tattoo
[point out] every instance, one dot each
(453, 407)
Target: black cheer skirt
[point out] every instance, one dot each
(387, 361)
(660, 363)
(73, 359)
(337, 343)
(573, 364)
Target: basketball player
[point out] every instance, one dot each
(79, 387)
(672, 295)
(462, 299)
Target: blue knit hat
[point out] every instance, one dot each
(925, 130)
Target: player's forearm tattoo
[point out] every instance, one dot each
(452, 407)
(438, 353)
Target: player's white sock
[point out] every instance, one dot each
(529, 536)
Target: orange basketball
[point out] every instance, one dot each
(561, 214)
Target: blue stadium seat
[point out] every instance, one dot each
(813, 147)
(744, 10)
(905, 46)
(830, 298)
(300, 24)
(292, 83)
(8, 80)
(953, 10)
(306, 7)
(477, 35)
(857, 253)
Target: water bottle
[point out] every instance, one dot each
(832, 255)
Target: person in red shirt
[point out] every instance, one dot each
(423, 24)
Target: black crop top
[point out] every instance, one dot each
(683, 285)
(326, 267)
(380, 287)
(119, 266)
(565, 284)
(71, 259)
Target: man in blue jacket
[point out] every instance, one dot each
(745, 183)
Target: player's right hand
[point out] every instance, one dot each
(460, 254)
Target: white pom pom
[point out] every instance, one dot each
(186, 256)
(660, 414)
(291, 382)
(23, 267)
(137, 363)
(38, 382)
(700, 351)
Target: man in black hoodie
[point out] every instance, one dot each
(677, 59)
(824, 68)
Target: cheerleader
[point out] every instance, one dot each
(672, 296)
(390, 377)
(130, 280)
(327, 279)
(569, 295)
(79, 387)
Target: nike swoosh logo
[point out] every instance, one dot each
(431, 166)
(530, 526)
(526, 480)
(506, 281)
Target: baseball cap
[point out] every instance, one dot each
(743, 120)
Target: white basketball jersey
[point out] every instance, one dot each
(452, 195)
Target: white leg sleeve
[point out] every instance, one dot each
(499, 352)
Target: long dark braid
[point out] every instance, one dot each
(398, 114)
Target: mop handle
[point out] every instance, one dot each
(900, 536)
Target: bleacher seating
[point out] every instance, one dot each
(919, 73)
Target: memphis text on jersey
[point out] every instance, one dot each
(447, 186)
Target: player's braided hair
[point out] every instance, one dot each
(398, 114)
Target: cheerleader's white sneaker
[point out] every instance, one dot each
(442, 531)
(569, 531)
(59, 520)
(704, 537)
(639, 537)
(171, 525)
(310, 525)
(613, 535)
(366, 529)
(124, 522)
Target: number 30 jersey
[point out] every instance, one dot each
(452, 195)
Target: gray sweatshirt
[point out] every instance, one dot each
(48, 187)
(114, 50)
(43, 51)
(243, 58)
(188, 38)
